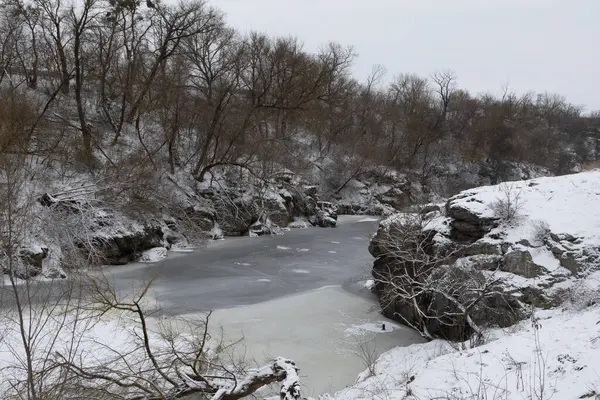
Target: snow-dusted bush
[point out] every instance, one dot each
(509, 203)
(541, 231)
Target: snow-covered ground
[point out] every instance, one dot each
(566, 204)
(551, 355)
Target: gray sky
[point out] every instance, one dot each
(540, 45)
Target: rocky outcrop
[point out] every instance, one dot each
(469, 249)
(468, 225)
(379, 195)
(422, 281)
(104, 236)
(123, 247)
(326, 215)
(520, 262)
(32, 261)
(248, 210)
(572, 256)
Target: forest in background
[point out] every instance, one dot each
(135, 89)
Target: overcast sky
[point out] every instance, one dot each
(540, 45)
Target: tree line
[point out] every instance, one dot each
(185, 90)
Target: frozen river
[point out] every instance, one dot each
(299, 295)
(243, 271)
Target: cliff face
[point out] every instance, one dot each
(488, 255)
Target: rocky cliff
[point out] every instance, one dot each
(497, 251)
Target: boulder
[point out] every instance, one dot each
(32, 261)
(481, 247)
(395, 227)
(264, 226)
(563, 237)
(521, 263)
(235, 215)
(174, 238)
(123, 247)
(395, 198)
(326, 216)
(27, 264)
(485, 262)
(536, 297)
(572, 261)
(467, 225)
(275, 207)
(323, 219)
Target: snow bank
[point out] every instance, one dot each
(567, 204)
(153, 255)
(299, 223)
(555, 353)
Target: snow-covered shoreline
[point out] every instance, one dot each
(554, 355)
(553, 226)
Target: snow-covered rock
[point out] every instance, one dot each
(532, 238)
(326, 215)
(299, 223)
(381, 197)
(153, 255)
(547, 257)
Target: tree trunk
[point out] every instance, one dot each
(85, 129)
(64, 68)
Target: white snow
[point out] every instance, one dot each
(300, 271)
(543, 256)
(558, 358)
(334, 242)
(368, 220)
(243, 264)
(332, 252)
(369, 283)
(299, 223)
(303, 250)
(567, 204)
(279, 247)
(153, 255)
(370, 327)
(263, 280)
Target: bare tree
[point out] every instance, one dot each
(172, 25)
(176, 359)
(425, 290)
(80, 21)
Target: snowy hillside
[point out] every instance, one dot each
(567, 204)
(553, 356)
(541, 240)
